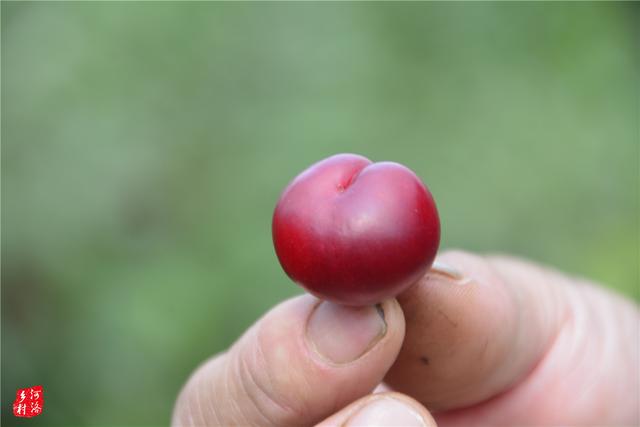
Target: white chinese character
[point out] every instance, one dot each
(35, 408)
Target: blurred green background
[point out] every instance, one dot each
(145, 145)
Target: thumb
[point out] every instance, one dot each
(297, 365)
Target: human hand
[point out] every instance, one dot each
(488, 341)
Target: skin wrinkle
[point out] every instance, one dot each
(582, 348)
(224, 386)
(513, 294)
(633, 323)
(213, 408)
(601, 351)
(631, 320)
(272, 382)
(308, 393)
(598, 305)
(199, 410)
(184, 413)
(447, 318)
(273, 409)
(498, 398)
(544, 355)
(570, 351)
(246, 382)
(483, 351)
(226, 382)
(192, 412)
(556, 314)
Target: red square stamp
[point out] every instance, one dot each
(29, 402)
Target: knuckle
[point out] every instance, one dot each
(268, 392)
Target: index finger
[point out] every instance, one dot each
(516, 343)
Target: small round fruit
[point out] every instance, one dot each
(356, 232)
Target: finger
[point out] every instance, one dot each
(300, 363)
(384, 409)
(467, 337)
(521, 343)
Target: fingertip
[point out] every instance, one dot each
(382, 409)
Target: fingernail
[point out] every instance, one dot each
(448, 271)
(342, 334)
(387, 412)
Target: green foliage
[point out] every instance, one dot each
(145, 145)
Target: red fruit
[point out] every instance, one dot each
(356, 232)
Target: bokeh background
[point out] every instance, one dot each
(145, 145)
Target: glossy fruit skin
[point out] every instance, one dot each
(356, 232)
